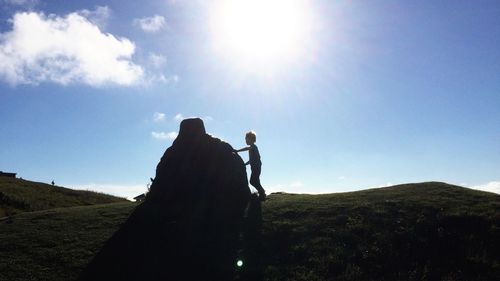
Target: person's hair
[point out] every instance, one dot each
(251, 136)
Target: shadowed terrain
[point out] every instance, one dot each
(425, 231)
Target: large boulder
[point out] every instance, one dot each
(189, 227)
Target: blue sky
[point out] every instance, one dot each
(343, 95)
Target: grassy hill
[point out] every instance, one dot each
(427, 231)
(17, 195)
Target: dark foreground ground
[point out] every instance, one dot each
(428, 231)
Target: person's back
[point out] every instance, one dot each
(254, 156)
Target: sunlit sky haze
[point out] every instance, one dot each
(343, 95)
(262, 36)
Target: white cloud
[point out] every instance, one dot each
(65, 50)
(157, 60)
(122, 190)
(151, 24)
(178, 117)
(153, 78)
(164, 136)
(493, 186)
(99, 16)
(158, 117)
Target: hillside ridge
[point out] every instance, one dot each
(435, 232)
(19, 195)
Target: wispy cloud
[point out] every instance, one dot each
(493, 186)
(154, 78)
(174, 2)
(99, 16)
(158, 117)
(29, 3)
(296, 184)
(150, 24)
(179, 117)
(128, 191)
(164, 135)
(157, 60)
(174, 78)
(292, 187)
(64, 50)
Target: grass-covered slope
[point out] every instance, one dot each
(55, 244)
(17, 195)
(428, 231)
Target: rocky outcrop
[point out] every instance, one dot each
(189, 226)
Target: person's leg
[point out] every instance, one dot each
(255, 181)
(254, 178)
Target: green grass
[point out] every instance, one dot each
(428, 231)
(17, 195)
(55, 244)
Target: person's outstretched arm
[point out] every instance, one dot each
(242, 149)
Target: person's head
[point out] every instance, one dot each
(251, 137)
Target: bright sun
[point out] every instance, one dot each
(260, 32)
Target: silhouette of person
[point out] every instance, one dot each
(53, 183)
(255, 163)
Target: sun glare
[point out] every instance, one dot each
(260, 32)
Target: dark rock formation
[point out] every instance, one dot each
(189, 227)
